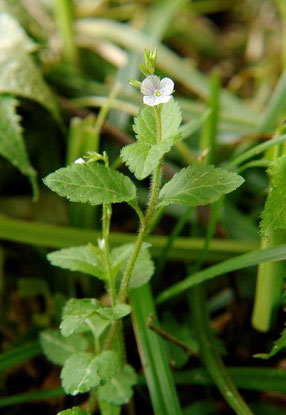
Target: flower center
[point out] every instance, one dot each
(158, 93)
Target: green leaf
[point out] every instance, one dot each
(79, 258)
(274, 213)
(145, 124)
(144, 156)
(143, 268)
(18, 73)
(12, 145)
(84, 371)
(142, 271)
(118, 391)
(91, 183)
(95, 324)
(278, 345)
(74, 411)
(78, 311)
(197, 185)
(57, 348)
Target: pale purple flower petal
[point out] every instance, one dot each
(166, 86)
(150, 85)
(155, 91)
(164, 98)
(151, 100)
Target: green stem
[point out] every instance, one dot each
(123, 293)
(154, 194)
(127, 274)
(148, 216)
(106, 228)
(64, 16)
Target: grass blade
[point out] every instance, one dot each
(30, 397)
(277, 253)
(153, 355)
(53, 236)
(19, 355)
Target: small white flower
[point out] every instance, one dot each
(155, 91)
(79, 161)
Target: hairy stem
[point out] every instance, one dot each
(123, 293)
(106, 227)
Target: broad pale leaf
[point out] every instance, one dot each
(77, 311)
(58, 348)
(274, 213)
(12, 145)
(118, 391)
(143, 157)
(79, 258)
(91, 183)
(17, 9)
(84, 371)
(13, 35)
(18, 73)
(278, 345)
(73, 411)
(196, 186)
(143, 268)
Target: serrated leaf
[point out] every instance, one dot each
(73, 411)
(143, 268)
(91, 183)
(58, 348)
(84, 371)
(144, 156)
(79, 258)
(145, 124)
(77, 311)
(278, 345)
(18, 73)
(118, 391)
(196, 186)
(274, 213)
(12, 145)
